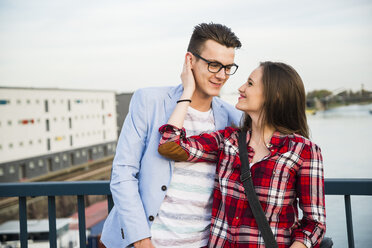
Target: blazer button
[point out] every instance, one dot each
(151, 218)
(164, 188)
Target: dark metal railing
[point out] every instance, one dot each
(345, 187)
(53, 189)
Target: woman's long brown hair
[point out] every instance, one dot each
(285, 100)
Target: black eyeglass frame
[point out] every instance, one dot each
(222, 66)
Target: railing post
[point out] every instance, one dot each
(52, 222)
(110, 202)
(349, 222)
(82, 229)
(23, 221)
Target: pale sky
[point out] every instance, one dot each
(126, 45)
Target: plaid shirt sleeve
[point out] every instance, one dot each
(310, 190)
(200, 148)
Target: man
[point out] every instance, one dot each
(159, 202)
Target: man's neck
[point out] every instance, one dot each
(201, 102)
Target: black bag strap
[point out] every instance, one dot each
(254, 203)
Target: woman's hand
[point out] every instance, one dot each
(187, 77)
(178, 116)
(144, 243)
(298, 244)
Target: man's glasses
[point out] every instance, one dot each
(215, 67)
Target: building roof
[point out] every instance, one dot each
(33, 226)
(93, 215)
(57, 89)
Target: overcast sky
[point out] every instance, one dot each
(126, 45)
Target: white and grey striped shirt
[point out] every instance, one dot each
(185, 215)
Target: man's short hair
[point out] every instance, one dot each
(212, 31)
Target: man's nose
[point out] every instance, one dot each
(221, 74)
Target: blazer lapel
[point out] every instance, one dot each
(170, 102)
(220, 115)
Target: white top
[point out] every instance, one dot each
(184, 217)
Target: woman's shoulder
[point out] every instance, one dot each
(305, 144)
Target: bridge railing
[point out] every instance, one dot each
(345, 187)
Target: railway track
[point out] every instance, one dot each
(95, 170)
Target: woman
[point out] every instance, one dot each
(286, 166)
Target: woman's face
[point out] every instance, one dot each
(251, 96)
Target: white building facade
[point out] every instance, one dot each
(43, 130)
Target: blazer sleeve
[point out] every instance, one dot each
(126, 165)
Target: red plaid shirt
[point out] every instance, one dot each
(292, 173)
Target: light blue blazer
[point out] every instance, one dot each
(139, 172)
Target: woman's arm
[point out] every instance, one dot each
(310, 191)
(178, 116)
(201, 148)
(174, 144)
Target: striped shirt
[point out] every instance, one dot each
(184, 217)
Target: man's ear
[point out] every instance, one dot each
(192, 58)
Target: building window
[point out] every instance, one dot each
(69, 105)
(77, 154)
(37, 101)
(10, 145)
(103, 119)
(31, 165)
(84, 153)
(28, 101)
(104, 134)
(47, 125)
(48, 144)
(1, 172)
(9, 122)
(56, 159)
(55, 119)
(11, 169)
(103, 104)
(64, 157)
(40, 163)
(1, 147)
(22, 171)
(71, 141)
(18, 101)
(21, 143)
(70, 123)
(39, 141)
(30, 142)
(46, 106)
(94, 150)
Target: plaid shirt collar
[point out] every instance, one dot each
(278, 142)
